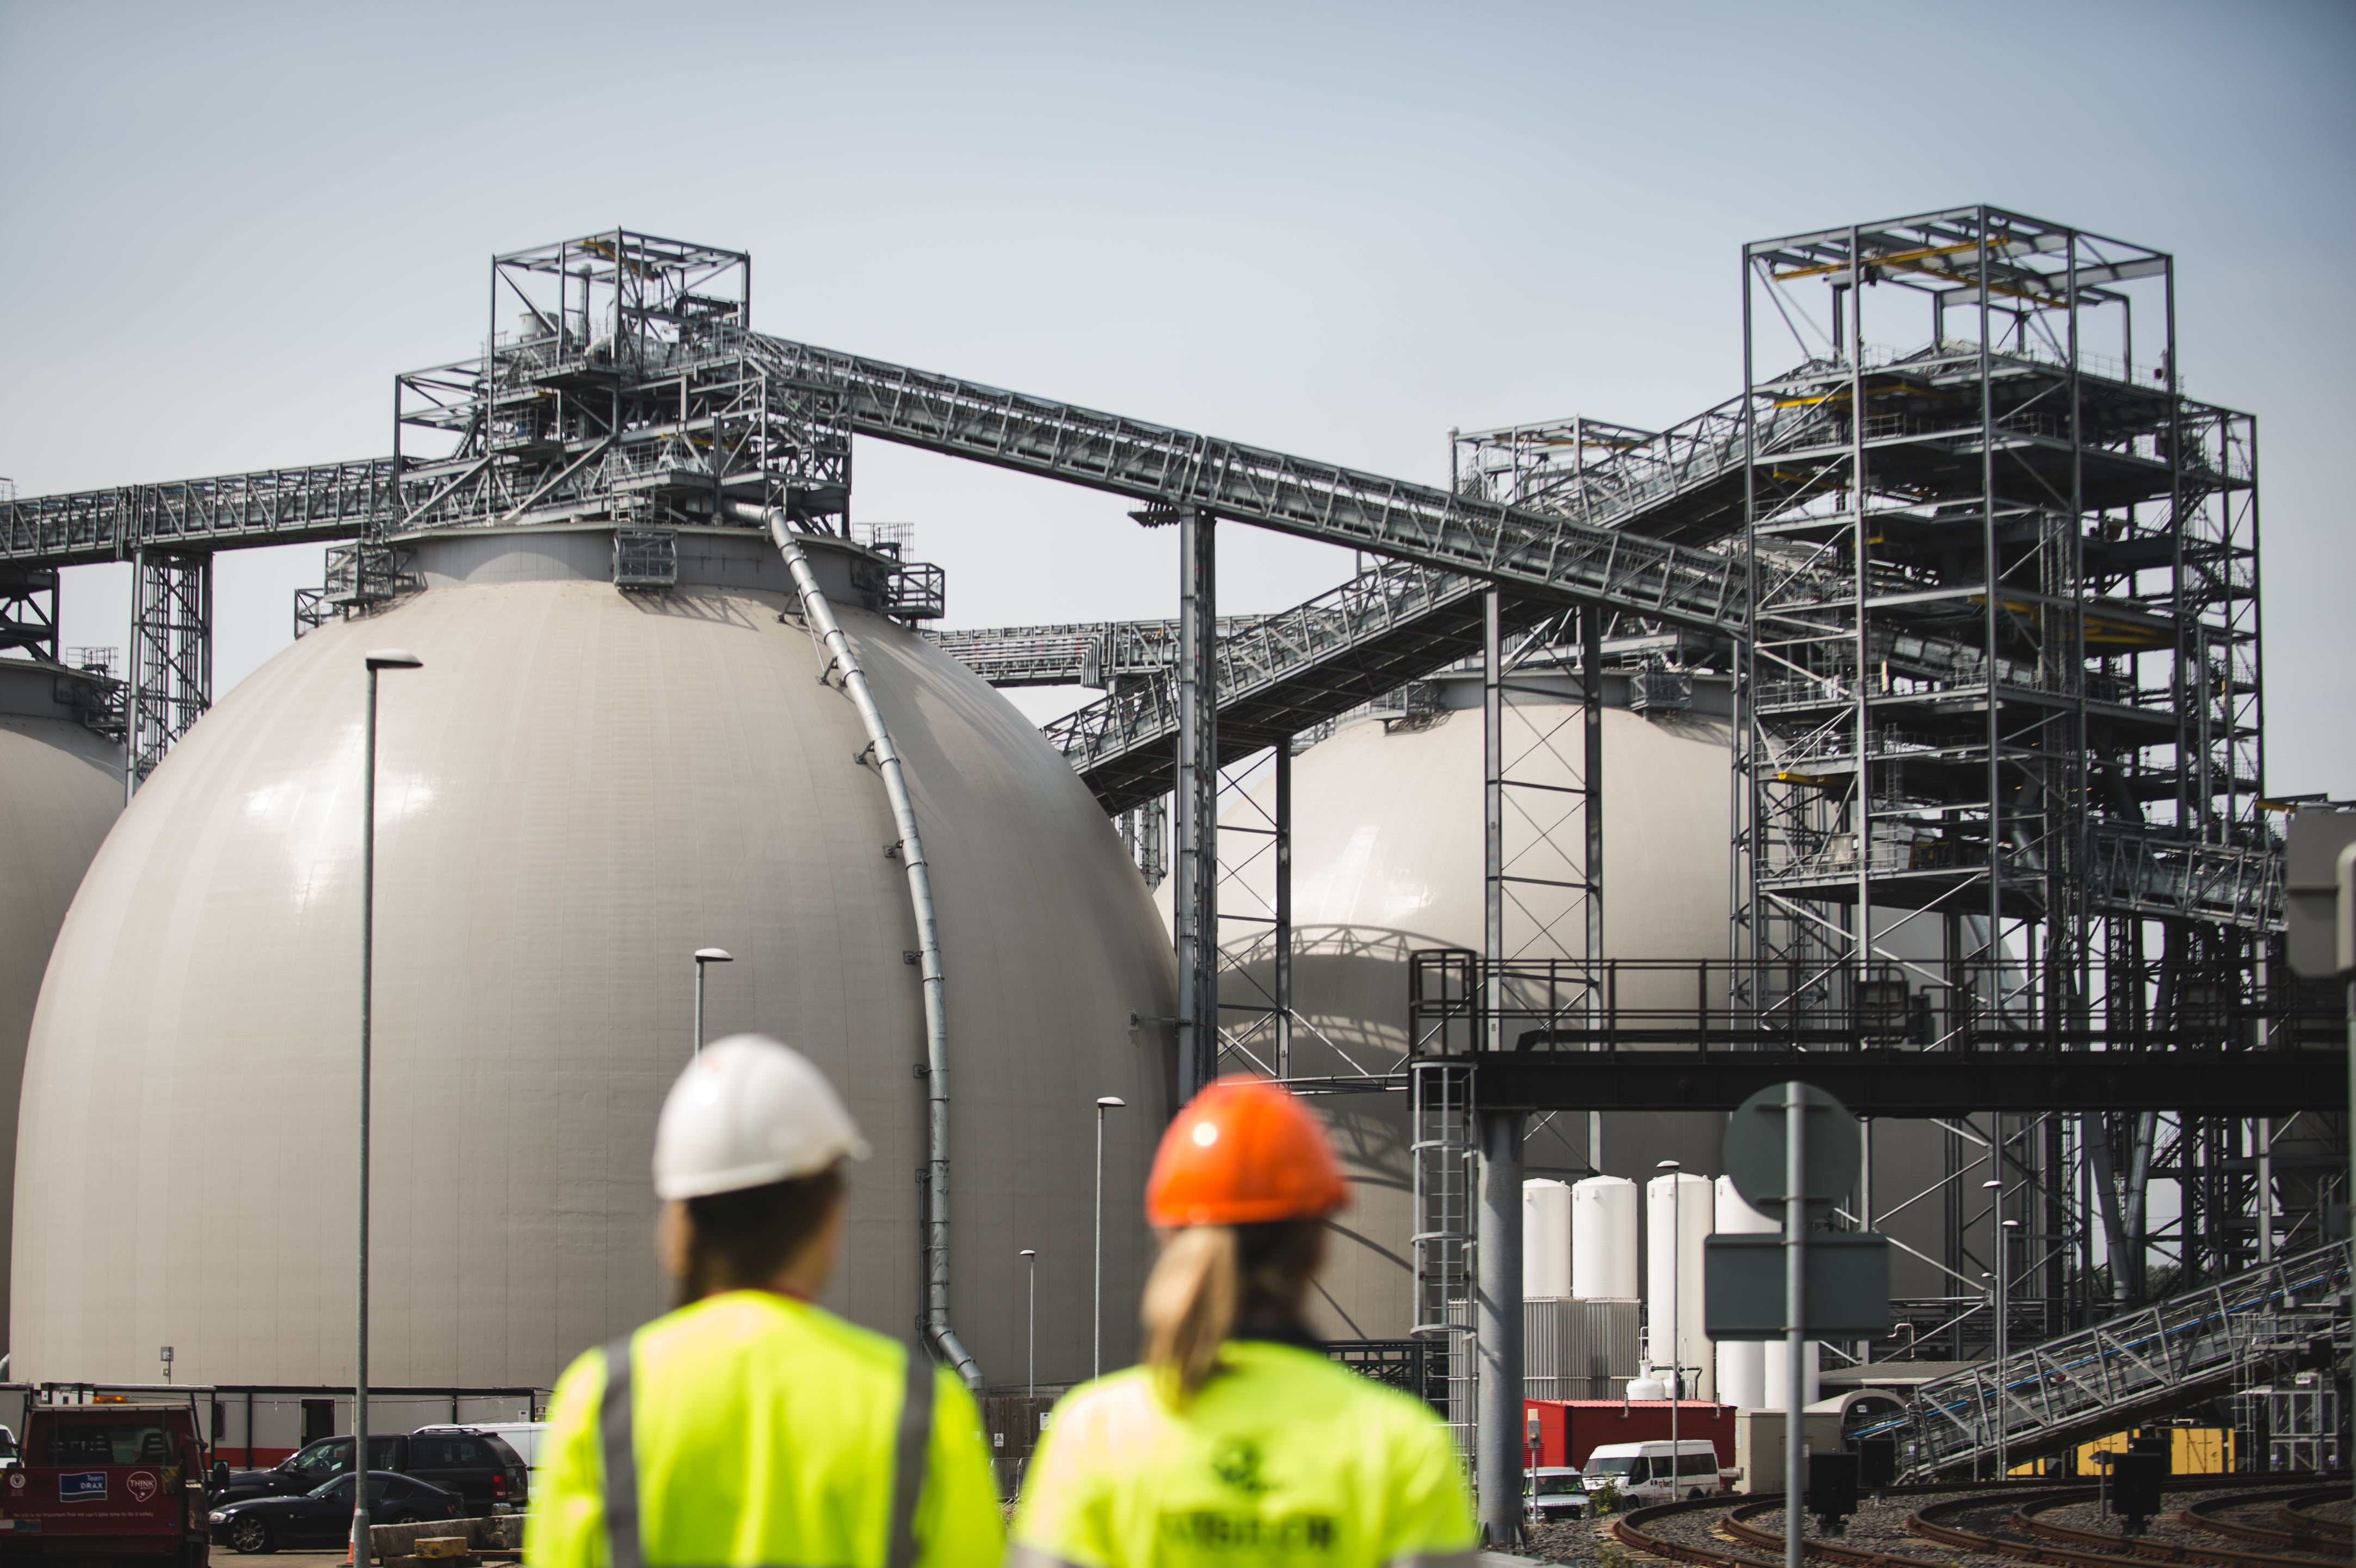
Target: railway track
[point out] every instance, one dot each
(1998, 1525)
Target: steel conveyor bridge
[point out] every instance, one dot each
(1641, 533)
(2180, 1351)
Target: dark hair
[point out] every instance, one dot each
(1213, 1282)
(742, 1238)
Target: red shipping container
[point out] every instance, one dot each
(1564, 1431)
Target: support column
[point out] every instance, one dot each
(1493, 818)
(171, 652)
(1591, 779)
(1284, 907)
(1497, 1329)
(1194, 900)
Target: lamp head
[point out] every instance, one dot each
(714, 955)
(393, 658)
(1110, 1103)
(1029, 1252)
(1667, 1165)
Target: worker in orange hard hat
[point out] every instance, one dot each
(1238, 1440)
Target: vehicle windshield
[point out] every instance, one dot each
(1617, 1465)
(87, 1442)
(1560, 1486)
(340, 1489)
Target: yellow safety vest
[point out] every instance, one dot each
(751, 1429)
(1284, 1459)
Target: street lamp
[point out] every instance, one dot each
(1031, 1366)
(1104, 1102)
(375, 659)
(704, 955)
(1676, 1346)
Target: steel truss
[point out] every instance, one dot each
(2001, 688)
(171, 652)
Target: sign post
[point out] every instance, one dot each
(1792, 1150)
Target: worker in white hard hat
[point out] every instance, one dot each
(750, 1425)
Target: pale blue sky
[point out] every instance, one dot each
(1335, 229)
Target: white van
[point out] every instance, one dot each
(1657, 1472)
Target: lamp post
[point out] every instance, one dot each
(1676, 1345)
(377, 659)
(1104, 1102)
(705, 956)
(1031, 1363)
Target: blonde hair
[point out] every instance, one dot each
(1211, 1276)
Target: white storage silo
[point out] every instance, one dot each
(1603, 1239)
(60, 790)
(1677, 1218)
(579, 789)
(1546, 1239)
(1742, 1367)
(1751, 1373)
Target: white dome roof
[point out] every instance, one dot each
(579, 789)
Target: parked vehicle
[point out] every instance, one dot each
(119, 1481)
(477, 1466)
(523, 1436)
(323, 1516)
(1658, 1472)
(1554, 1493)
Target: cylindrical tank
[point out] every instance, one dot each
(1546, 1239)
(60, 790)
(1603, 1239)
(1742, 1364)
(1677, 1217)
(1777, 1371)
(580, 788)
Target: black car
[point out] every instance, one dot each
(308, 1467)
(477, 1466)
(322, 1517)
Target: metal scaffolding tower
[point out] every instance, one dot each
(171, 652)
(2003, 641)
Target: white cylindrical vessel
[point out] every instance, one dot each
(1677, 1216)
(1546, 1239)
(1741, 1364)
(1778, 1364)
(1647, 1388)
(1603, 1239)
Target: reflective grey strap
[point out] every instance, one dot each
(908, 1462)
(1021, 1556)
(618, 1448)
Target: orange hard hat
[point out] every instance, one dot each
(1244, 1151)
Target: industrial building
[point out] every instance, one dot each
(1896, 722)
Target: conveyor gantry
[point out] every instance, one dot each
(2182, 1350)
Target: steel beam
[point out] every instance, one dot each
(1918, 1084)
(1497, 1329)
(171, 652)
(1194, 902)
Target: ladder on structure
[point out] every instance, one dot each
(2194, 1346)
(1440, 1090)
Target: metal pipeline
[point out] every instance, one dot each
(935, 1214)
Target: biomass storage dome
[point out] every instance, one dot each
(1387, 856)
(60, 789)
(579, 789)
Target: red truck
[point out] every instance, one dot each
(113, 1481)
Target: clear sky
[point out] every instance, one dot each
(1333, 230)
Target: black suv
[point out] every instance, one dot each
(477, 1466)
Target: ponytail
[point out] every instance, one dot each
(1214, 1281)
(1189, 1307)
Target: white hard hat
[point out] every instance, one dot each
(748, 1111)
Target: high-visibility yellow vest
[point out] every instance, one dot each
(750, 1428)
(1284, 1459)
